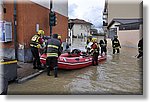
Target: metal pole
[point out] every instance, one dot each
(49, 18)
(15, 29)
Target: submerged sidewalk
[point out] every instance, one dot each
(25, 71)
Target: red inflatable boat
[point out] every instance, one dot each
(72, 61)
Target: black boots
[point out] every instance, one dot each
(55, 71)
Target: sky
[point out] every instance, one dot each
(88, 10)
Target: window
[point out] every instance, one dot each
(5, 31)
(134, 26)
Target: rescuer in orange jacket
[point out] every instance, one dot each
(94, 51)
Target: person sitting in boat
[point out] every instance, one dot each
(94, 51)
(75, 53)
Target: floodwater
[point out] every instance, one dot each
(120, 74)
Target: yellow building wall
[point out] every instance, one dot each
(129, 38)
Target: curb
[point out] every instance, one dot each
(21, 80)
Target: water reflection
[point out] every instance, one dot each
(119, 74)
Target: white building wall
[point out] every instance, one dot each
(81, 28)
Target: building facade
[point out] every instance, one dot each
(31, 15)
(80, 27)
(120, 15)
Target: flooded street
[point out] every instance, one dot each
(119, 74)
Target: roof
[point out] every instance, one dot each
(125, 21)
(79, 21)
(93, 29)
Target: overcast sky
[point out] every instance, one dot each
(89, 10)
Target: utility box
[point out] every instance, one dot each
(5, 31)
(8, 72)
(8, 69)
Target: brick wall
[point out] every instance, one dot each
(28, 15)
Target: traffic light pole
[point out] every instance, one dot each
(50, 31)
(50, 12)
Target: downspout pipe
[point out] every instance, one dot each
(15, 30)
(51, 5)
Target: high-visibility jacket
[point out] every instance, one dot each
(94, 48)
(35, 41)
(116, 43)
(61, 43)
(53, 47)
(89, 40)
(103, 43)
(140, 45)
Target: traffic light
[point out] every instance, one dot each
(52, 18)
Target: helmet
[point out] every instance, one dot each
(115, 36)
(55, 36)
(59, 37)
(94, 39)
(41, 32)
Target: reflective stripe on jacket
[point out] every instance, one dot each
(53, 47)
(115, 43)
(94, 48)
(52, 54)
(35, 41)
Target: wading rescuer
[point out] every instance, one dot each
(36, 42)
(103, 45)
(53, 52)
(116, 44)
(140, 48)
(94, 51)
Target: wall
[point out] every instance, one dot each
(77, 30)
(8, 16)
(124, 9)
(28, 15)
(129, 38)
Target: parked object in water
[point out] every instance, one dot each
(73, 61)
